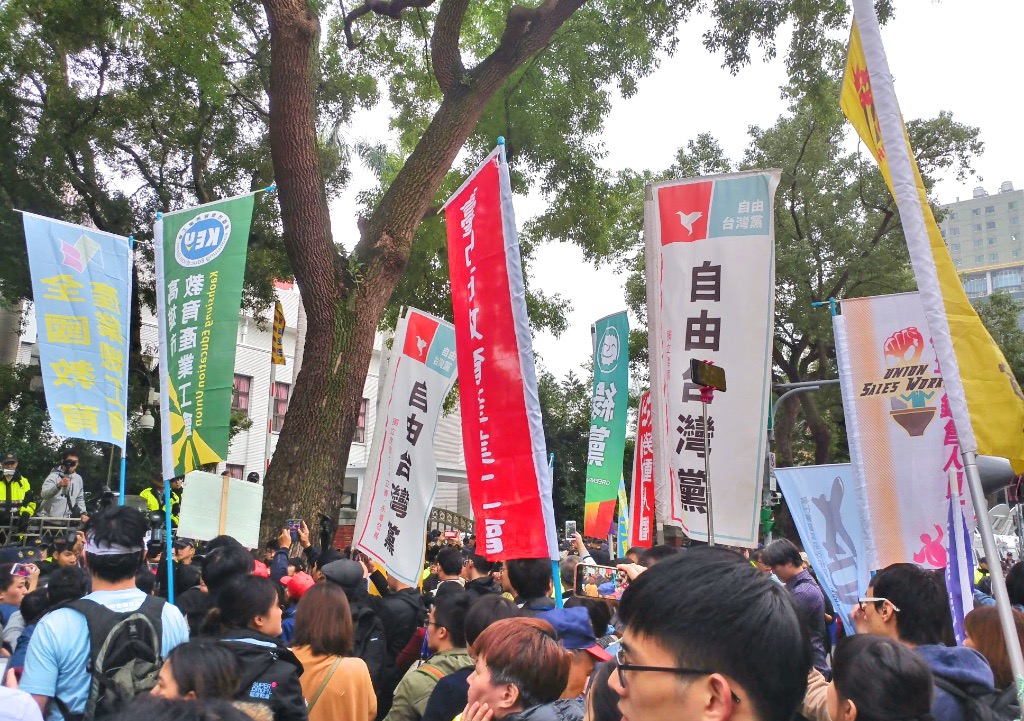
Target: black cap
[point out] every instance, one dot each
(253, 477)
(345, 573)
(9, 457)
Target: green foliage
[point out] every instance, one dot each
(566, 410)
(1002, 315)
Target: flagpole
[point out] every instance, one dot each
(556, 571)
(127, 373)
(988, 541)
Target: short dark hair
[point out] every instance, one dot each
(480, 563)
(883, 678)
(67, 584)
(34, 605)
(599, 611)
(657, 553)
(241, 601)
(678, 599)
(450, 611)
(923, 607)
(145, 581)
(7, 577)
(781, 553)
(449, 559)
(223, 564)
(567, 571)
(530, 577)
(485, 611)
(208, 669)
(71, 452)
(323, 621)
(118, 526)
(1015, 584)
(635, 551)
(603, 701)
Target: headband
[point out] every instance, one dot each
(108, 549)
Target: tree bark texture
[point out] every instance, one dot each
(345, 296)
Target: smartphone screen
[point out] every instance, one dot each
(570, 530)
(593, 581)
(293, 525)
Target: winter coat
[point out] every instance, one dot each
(369, 641)
(483, 586)
(567, 709)
(959, 665)
(270, 673)
(415, 688)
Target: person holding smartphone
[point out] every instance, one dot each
(63, 492)
(16, 581)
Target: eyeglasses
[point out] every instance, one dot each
(871, 599)
(622, 667)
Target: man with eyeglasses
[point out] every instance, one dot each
(909, 605)
(709, 638)
(63, 492)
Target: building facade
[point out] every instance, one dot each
(986, 240)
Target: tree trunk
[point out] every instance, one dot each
(784, 428)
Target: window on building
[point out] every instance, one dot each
(991, 241)
(979, 243)
(235, 471)
(990, 209)
(1006, 279)
(990, 224)
(976, 227)
(958, 262)
(954, 246)
(954, 215)
(1014, 220)
(955, 231)
(1017, 253)
(993, 256)
(240, 394)
(1012, 205)
(360, 436)
(976, 211)
(282, 393)
(979, 259)
(976, 286)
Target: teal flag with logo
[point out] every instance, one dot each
(607, 442)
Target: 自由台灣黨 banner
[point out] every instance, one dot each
(710, 255)
(81, 287)
(503, 438)
(401, 474)
(903, 440)
(606, 444)
(641, 513)
(200, 264)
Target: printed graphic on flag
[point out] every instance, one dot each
(684, 211)
(418, 336)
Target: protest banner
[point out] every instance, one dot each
(277, 338)
(607, 442)
(506, 460)
(827, 516)
(401, 473)
(200, 263)
(622, 532)
(220, 505)
(985, 399)
(903, 442)
(642, 498)
(81, 287)
(711, 296)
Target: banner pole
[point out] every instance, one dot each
(707, 472)
(121, 497)
(168, 544)
(127, 374)
(988, 541)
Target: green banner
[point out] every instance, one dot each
(200, 259)
(607, 441)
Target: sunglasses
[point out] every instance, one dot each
(862, 602)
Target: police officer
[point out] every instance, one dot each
(154, 496)
(16, 495)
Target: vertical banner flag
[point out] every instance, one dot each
(607, 442)
(711, 296)
(506, 460)
(401, 475)
(624, 519)
(827, 516)
(642, 512)
(960, 569)
(200, 263)
(81, 287)
(903, 442)
(985, 399)
(277, 340)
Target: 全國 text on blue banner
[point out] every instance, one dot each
(81, 287)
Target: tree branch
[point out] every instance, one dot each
(388, 8)
(444, 45)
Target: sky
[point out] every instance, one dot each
(956, 55)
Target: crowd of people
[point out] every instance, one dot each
(701, 633)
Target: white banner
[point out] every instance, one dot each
(903, 442)
(401, 474)
(711, 296)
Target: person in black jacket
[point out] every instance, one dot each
(247, 620)
(368, 630)
(477, 571)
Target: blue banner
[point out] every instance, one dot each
(960, 566)
(81, 285)
(828, 519)
(623, 529)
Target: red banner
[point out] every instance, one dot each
(509, 483)
(641, 530)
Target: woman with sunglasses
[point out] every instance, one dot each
(521, 670)
(878, 679)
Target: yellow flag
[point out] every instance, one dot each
(985, 400)
(277, 342)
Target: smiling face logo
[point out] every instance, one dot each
(608, 352)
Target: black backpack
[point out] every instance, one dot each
(981, 702)
(124, 655)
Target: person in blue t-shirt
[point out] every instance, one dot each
(58, 656)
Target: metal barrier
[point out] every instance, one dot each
(14, 531)
(444, 520)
